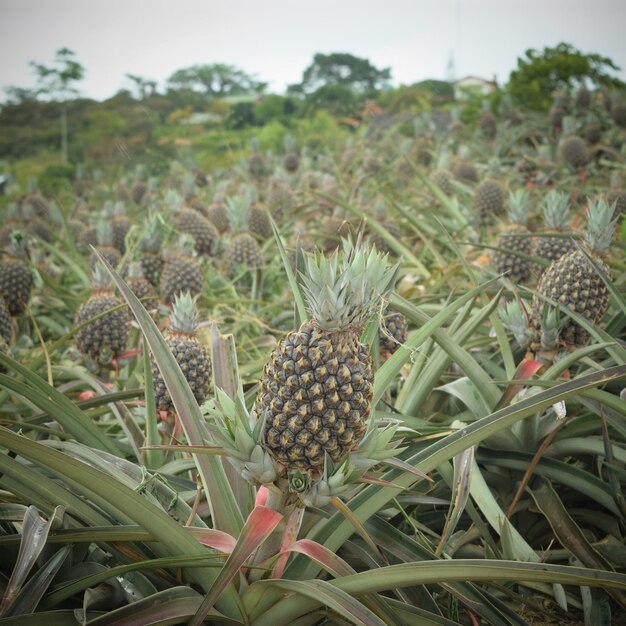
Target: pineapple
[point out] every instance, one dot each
(256, 163)
(191, 222)
(488, 200)
(104, 338)
(141, 286)
(12, 221)
(572, 150)
(190, 354)
(335, 229)
(572, 281)
(36, 201)
(120, 225)
(243, 249)
(280, 199)
(556, 217)
(6, 325)
(218, 216)
(616, 194)
(291, 160)
(181, 271)
(15, 277)
(392, 332)
(150, 247)
(315, 393)
(140, 185)
(104, 235)
(516, 237)
(464, 170)
(4, 349)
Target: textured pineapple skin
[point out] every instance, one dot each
(195, 364)
(4, 349)
(488, 200)
(291, 162)
(178, 276)
(152, 266)
(111, 254)
(380, 244)
(218, 216)
(443, 180)
(315, 396)
(6, 328)
(280, 200)
(516, 238)
(552, 248)
(259, 223)
(15, 285)
(145, 291)
(572, 281)
(393, 332)
(205, 234)
(244, 251)
(109, 331)
(465, 172)
(121, 226)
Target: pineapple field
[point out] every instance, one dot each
(369, 369)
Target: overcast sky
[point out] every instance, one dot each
(276, 39)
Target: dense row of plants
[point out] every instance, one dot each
(370, 377)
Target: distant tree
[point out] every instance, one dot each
(145, 87)
(341, 68)
(57, 83)
(216, 81)
(539, 74)
(340, 100)
(20, 95)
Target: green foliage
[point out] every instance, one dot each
(56, 179)
(339, 100)
(538, 74)
(271, 136)
(340, 68)
(216, 80)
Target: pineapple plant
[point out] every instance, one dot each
(280, 199)
(572, 150)
(334, 230)
(140, 185)
(488, 200)
(315, 393)
(488, 124)
(464, 170)
(191, 355)
(256, 163)
(181, 271)
(12, 221)
(243, 250)
(35, 200)
(121, 225)
(516, 238)
(104, 237)
(291, 160)
(191, 222)
(555, 210)
(392, 332)
(104, 338)
(150, 249)
(572, 281)
(15, 276)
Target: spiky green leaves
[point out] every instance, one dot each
(601, 225)
(184, 314)
(519, 204)
(555, 207)
(345, 290)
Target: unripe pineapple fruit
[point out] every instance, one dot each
(181, 271)
(104, 236)
(141, 286)
(190, 222)
(488, 200)
(243, 250)
(104, 337)
(573, 281)
(392, 333)
(572, 150)
(6, 326)
(516, 238)
(190, 354)
(316, 390)
(150, 249)
(15, 277)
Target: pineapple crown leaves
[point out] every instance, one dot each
(233, 428)
(153, 233)
(555, 208)
(238, 209)
(289, 143)
(185, 246)
(346, 290)
(601, 221)
(515, 319)
(569, 125)
(550, 327)
(100, 278)
(184, 314)
(173, 200)
(519, 204)
(104, 232)
(119, 209)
